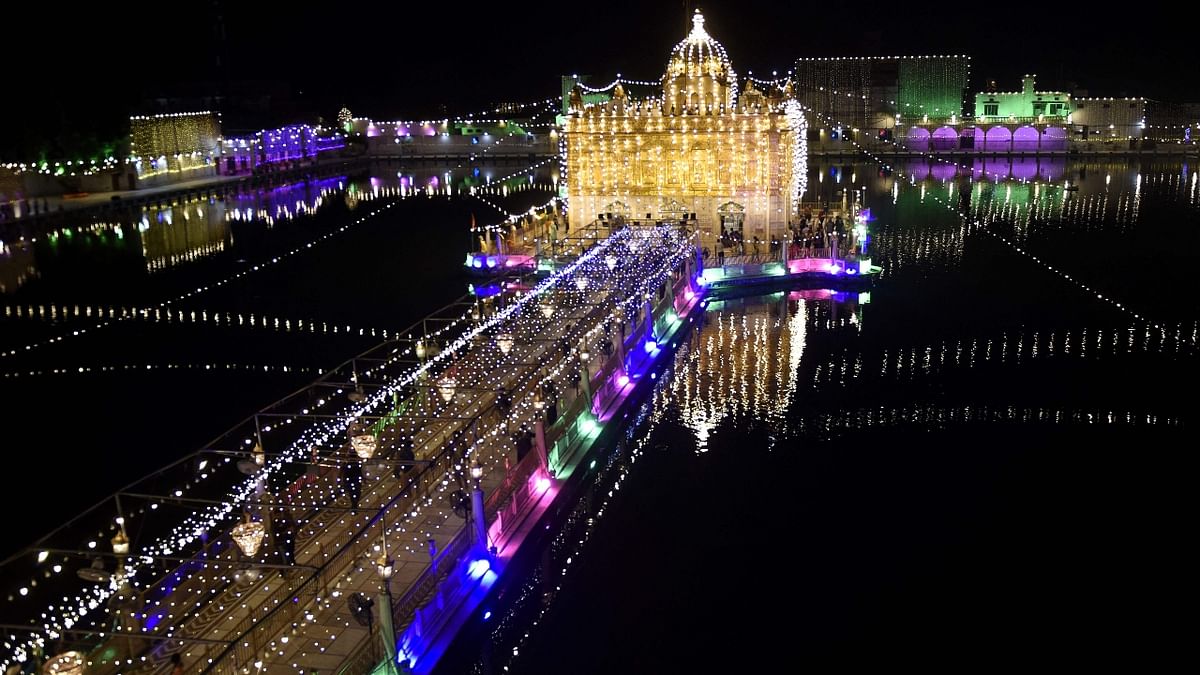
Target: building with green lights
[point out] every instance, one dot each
(1026, 105)
(880, 91)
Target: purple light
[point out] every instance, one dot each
(688, 294)
(543, 484)
(510, 263)
(833, 269)
(622, 380)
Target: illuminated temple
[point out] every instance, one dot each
(701, 151)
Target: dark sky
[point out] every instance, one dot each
(87, 67)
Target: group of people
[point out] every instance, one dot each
(820, 236)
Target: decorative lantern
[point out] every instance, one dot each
(249, 536)
(364, 445)
(547, 309)
(420, 349)
(385, 567)
(120, 543)
(67, 663)
(446, 387)
(581, 283)
(505, 342)
(260, 456)
(611, 261)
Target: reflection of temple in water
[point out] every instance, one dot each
(16, 266)
(744, 359)
(183, 233)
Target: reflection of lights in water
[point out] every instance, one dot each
(148, 367)
(168, 315)
(742, 362)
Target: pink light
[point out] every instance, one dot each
(622, 380)
(510, 262)
(688, 294)
(543, 484)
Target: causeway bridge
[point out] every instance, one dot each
(347, 527)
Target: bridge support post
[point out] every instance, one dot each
(386, 632)
(477, 513)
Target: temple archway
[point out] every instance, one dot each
(1026, 139)
(998, 138)
(917, 139)
(1054, 138)
(945, 138)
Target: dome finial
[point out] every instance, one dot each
(698, 25)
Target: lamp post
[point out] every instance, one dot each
(585, 377)
(477, 513)
(539, 430)
(385, 567)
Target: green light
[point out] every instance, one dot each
(588, 426)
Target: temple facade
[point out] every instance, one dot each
(701, 151)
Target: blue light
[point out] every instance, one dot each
(651, 345)
(477, 263)
(487, 615)
(479, 567)
(491, 262)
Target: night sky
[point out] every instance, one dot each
(77, 74)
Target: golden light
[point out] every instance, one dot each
(67, 663)
(446, 387)
(249, 536)
(120, 543)
(505, 342)
(364, 445)
(385, 567)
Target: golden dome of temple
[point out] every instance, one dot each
(699, 77)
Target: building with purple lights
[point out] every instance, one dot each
(286, 146)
